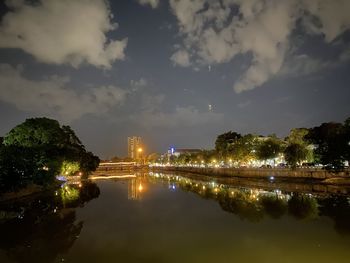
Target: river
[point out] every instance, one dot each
(158, 217)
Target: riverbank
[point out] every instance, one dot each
(28, 191)
(302, 174)
(22, 193)
(268, 179)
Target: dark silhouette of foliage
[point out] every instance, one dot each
(332, 144)
(34, 151)
(302, 207)
(269, 148)
(224, 141)
(42, 228)
(274, 206)
(337, 208)
(295, 153)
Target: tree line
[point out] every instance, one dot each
(38, 150)
(327, 144)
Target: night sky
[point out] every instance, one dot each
(175, 72)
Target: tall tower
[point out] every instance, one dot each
(134, 143)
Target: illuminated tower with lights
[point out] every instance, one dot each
(134, 144)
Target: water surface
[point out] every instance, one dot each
(171, 218)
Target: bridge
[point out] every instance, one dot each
(119, 166)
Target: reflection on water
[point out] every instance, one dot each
(171, 218)
(136, 188)
(40, 229)
(255, 204)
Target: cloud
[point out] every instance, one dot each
(152, 3)
(301, 65)
(52, 96)
(151, 103)
(62, 32)
(151, 113)
(216, 32)
(181, 58)
(180, 117)
(327, 17)
(138, 83)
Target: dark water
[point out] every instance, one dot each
(161, 218)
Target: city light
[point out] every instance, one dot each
(99, 177)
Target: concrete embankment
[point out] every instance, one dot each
(301, 173)
(303, 180)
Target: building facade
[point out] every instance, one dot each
(134, 144)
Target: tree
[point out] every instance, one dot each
(269, 149)
(243, 149)
(153, 157)
(295, 153)
(36, 150)
(224, 141)
(36, 132)
(88, 162)
(208, 155)
(297, 135)
(184, 158)
(331, 144)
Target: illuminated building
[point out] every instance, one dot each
(134, 144)
(178, 152)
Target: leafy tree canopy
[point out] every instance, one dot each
(243, 149)
(35, 132)
(224, 141)
(269, 149)
(297, 135)
(38, 149)
(295, 153)
(332, 144)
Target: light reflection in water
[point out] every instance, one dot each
(175, 219)
(136, 188)
(254, 204)
(42, 228)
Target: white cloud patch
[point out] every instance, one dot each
(327, 17)
(62, 32)
(181, 58)
(218, 31)
(152, 3)
(138, 83)
(52, 96)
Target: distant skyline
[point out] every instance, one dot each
(174, 72)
